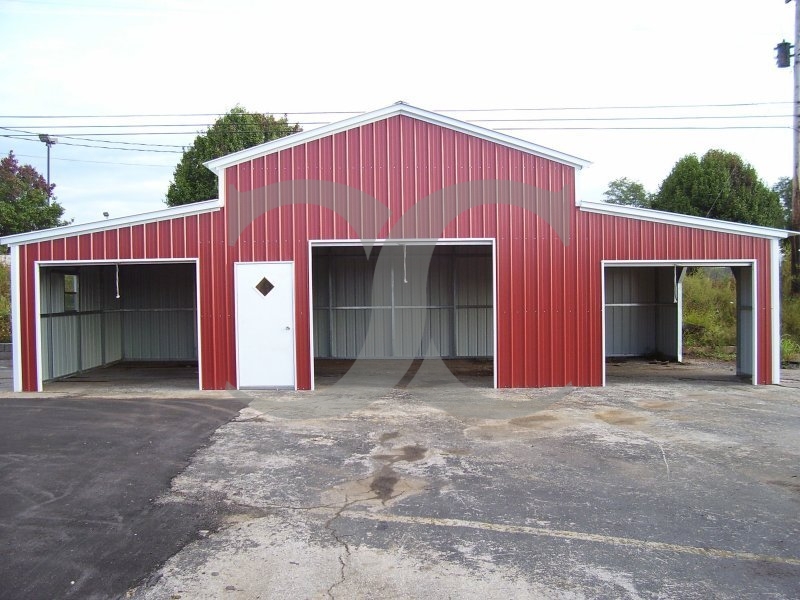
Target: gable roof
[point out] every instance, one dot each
(399, 108)
(53, 233)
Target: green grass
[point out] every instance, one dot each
(790, 348)
(709, 312)
(709, 315)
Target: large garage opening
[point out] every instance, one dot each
(119, 323)
(400, 306)
(644, 323)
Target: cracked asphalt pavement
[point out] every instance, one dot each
(670, 489)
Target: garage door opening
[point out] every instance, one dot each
(407, 314)
(644, 323)
(119, 323)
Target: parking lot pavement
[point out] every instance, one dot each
(679, 489)
(78, 483)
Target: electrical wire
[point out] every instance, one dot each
(113, 148)
(356, 112)
(101, 147)
(25, 135)
(96, 162)
(566, 123)
(634, 107)
(653, 128)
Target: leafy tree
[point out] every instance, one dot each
(628, 192)
(26, 202)
(720, 185)
(236, 130)
(784, 190)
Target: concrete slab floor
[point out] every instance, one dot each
(664, 489)
(131, 377)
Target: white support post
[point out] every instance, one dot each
(775, 308)
(16, 324)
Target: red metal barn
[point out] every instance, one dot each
(399, 233)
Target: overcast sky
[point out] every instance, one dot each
(168, 57)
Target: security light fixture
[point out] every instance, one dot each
(48, 141)
(783, 52)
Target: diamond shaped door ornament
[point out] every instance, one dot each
(264, 286)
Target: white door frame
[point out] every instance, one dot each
(327, 243)
(126, 261)
(680, 263)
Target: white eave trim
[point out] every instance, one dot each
(399, 108)
(184, 210)
(668, 218)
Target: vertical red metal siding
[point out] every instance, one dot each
(616, 238)
(184, 237)
(549, 293)
(549, 313)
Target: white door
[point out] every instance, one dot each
(265, 324)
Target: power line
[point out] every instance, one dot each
(16, 137)
(184, 115)
(98, 162)
(51, 128)
(649, 128)
(356, 112)
(72, 137)
(505, 120)
(25, 135)
(122, 145)
(657, 118)
(641, 107)
(113, 148)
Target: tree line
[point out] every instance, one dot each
(718, 185)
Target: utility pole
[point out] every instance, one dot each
(795, 262)
(784, 54)
(48, 140)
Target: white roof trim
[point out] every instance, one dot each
(400, 108)
(660, 216)
(148, 217)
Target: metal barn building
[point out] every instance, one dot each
(400, 233)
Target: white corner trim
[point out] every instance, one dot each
(754, 292)
(16, 325)
(660, 216)
(37, 313)
(603, 321)
(399, 108)
(495, 317)
(775, 308)
(311, 350)
(107, 224)
(198, 323)
(221, 182)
